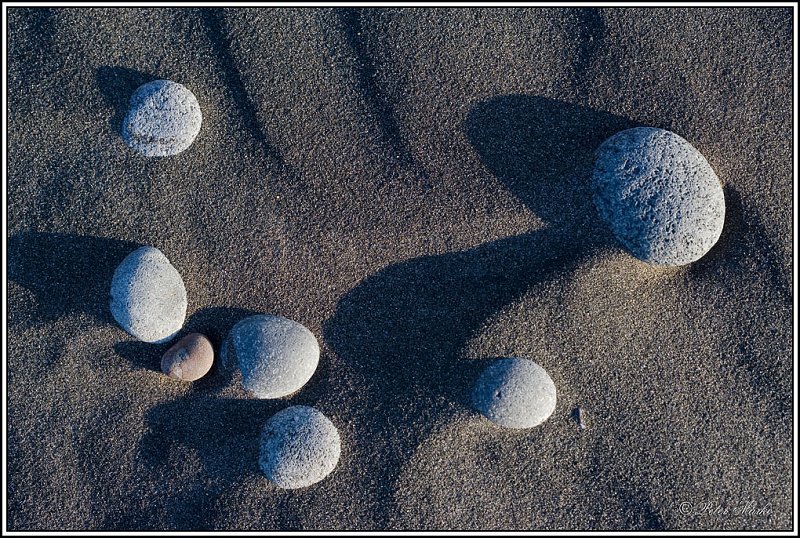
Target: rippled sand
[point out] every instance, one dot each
(412, 185)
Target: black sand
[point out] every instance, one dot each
(412, 185)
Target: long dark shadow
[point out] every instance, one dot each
(403, 329)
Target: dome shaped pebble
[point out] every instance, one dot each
(659, 195)
(189, 359)
(299, 447)
(164, 119)
(275, 355)
(148, 298)
(515, 393)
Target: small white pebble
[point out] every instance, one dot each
(148, 298)
(299, 447)
(275, 355)
(515, 393)
(164, 118)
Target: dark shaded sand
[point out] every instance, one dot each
(413, 186)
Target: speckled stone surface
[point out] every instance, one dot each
(515, 393)
(189, 359)
(659, 195)
(163, 120)
(275, 355)
(148, 298)
(299, 447)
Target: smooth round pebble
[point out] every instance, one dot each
(515, 393)
(276, 356)
(164, 119)
(189, 359)
(299, 447)
(659, 195)
(148, 298)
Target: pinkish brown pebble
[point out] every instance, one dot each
(189, 359)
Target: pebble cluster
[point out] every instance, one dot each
(657, 193)
(276, 356)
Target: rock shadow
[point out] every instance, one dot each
(745, 253)
(194, 449)
(117, 85)
(403, 329)
(67, 273)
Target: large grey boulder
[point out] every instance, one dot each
(659, 195)
(515, 393)
(299, 447)
(275, 355)
(164, 119)
(148, 298)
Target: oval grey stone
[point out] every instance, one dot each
(515, 393)
(275, 355)
(164, 119)
(659, 195)
(299, 447)
(148, 298)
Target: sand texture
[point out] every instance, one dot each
(414, 186)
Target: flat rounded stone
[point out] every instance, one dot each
(659, 195)
(164, 119)
(275, 355)
(189, 359)
(515, 393)
(148, 298)
(299, 447)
